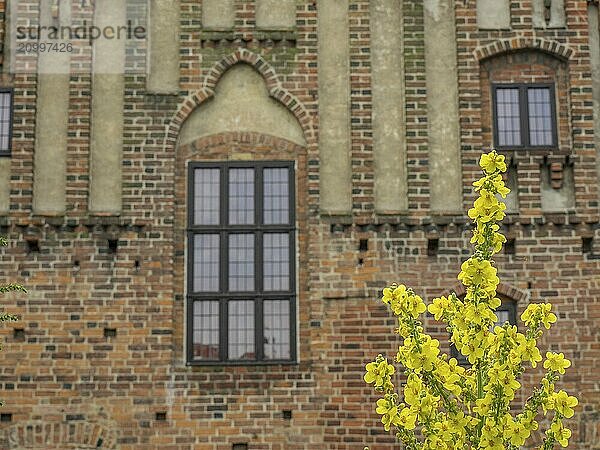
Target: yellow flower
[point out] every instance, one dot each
(415, 305)
(530, 352)
(492, 162)
(548, 317)
(561, 434)
(516, 432)
(379, 372)
(439, 307)
(563, 403)
(389, 412)
(556, 362)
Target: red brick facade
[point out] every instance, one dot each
(67, 382)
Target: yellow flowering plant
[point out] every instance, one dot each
(443, 405)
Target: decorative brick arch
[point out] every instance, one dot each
(554, 48)
(503, 289)
(274, 87)
(44, 435)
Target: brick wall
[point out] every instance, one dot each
(68, 380)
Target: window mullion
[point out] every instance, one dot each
(223, 329)
(524, 111)
(258, 329)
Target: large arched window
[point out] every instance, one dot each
(241, 263)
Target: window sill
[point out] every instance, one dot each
(222, 364)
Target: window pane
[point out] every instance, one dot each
(206, 330)
(276, 256)
(540, 116)
(207, 196)
(508, 116)
(503, 316)
(5, 107)
(241, 330)
(277, 196)
(206, 263)
(241, 262)
(277, 329)
(241, 196)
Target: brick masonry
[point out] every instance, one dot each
(69, 383)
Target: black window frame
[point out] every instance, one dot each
(258, 295)
(9, 90)
(524, 115)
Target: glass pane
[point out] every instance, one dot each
(241, 196)
(241, 329)
(5, 106)
(241, 262)
(540, 116)
(277, 196)
(503, 317)
(206, 330)
(276, 256)
(508, 116)
(277, 329)
(206, 263)
(207, 185)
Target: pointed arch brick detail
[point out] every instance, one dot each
(554, 48)
(38, 435)
(274, 87)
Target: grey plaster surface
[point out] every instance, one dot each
(389, 144)
(5, 185)
(558, 18)
(276, 14)
(242, 103)
(107, 113)
(52, 115)
(493, 14)
(334, 107)
(163, 59)
(442, 106)
(218, 14)
(558, 200)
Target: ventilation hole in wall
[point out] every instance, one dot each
(363, 245)
(587, 244)
(529, 285)
(361, 261)
(76, 265)
(433, 245)
(136, 264)
(19, 334)
(33, 246)
(6, 417)
(240, 447)
(218, 415)
(110, 332)
(161, 416)
(287, 414)
(113, 245)
(510, 248)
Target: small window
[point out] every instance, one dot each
(524, 116)
(241, 286)
(6, 121)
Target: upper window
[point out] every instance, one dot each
(241, 282)
(524, 116)
(6, 116)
